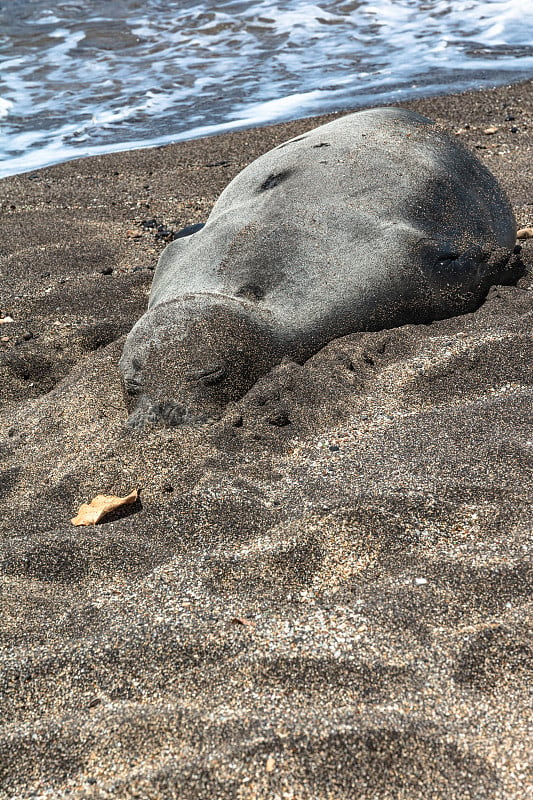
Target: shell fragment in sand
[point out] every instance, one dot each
(100, 506)
(525, 233)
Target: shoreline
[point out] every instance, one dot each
(336, 604)
(239, 126)
(409, 102)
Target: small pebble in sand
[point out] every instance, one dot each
(523, 233)
(5, 319)
(490, 130)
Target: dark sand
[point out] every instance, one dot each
(324, 595)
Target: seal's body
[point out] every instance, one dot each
(372, 221)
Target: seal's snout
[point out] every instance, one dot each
(187, 359)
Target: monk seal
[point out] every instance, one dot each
(372, 221)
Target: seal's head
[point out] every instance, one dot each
(186, 359)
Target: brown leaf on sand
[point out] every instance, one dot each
(100, 506)
(243, 621)
(525, 233)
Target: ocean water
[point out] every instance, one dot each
(81, 77)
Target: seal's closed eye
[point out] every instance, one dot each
(210, 375)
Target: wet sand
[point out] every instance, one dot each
(324, 594)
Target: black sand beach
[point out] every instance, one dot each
(324, 594)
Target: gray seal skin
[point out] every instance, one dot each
(375, 220)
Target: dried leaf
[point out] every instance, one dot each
(525, 233)
(270, 764)
(243, 621)
(100, 506)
